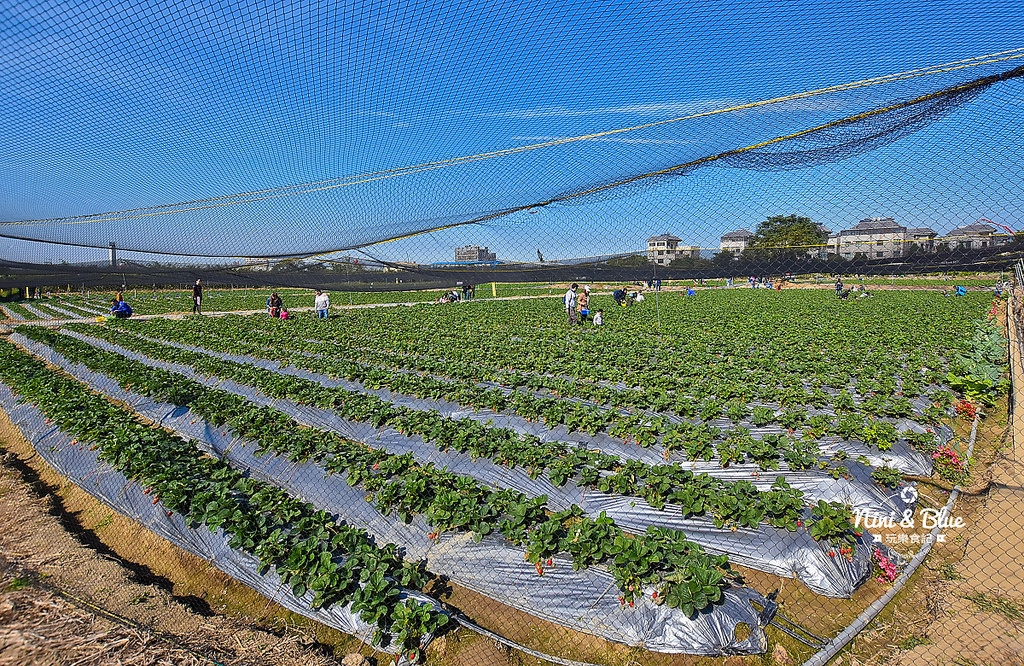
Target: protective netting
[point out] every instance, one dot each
(418, 146)
(569, 131)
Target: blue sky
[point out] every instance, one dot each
(114, 106)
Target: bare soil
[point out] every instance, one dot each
(965, 606)
(53, 537)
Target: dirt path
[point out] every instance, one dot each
(182, 315)
(52, 532)
(979, 608)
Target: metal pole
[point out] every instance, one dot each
(830, 650)
(657, 301)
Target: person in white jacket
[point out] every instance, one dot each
(322, 304)
(570, 303)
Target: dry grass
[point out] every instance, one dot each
(38, 627)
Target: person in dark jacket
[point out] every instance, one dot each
(274, 305)
(121, 309)
(197, 297)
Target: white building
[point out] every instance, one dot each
(735, 241)
(974, 237)
(663, 249)
(474, 253)
(873, 238)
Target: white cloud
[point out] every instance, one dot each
(825, 102)
(653, 109)
(609, 139)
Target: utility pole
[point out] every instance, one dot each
(657, 302)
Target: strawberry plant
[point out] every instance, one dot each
(762, 416)
(466, 435)
(306, 548)
(710, 410)
(736, 410)
(849, 426)
(925, 442)
(691, 594)
(448, 501)
(792, 419)
(833, 524)
(888, 477)
(782, 505)
(880, 434)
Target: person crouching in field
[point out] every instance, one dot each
(598, 317)
(121, 309)
(274, 305)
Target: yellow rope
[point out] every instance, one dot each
(693, 163)
(392, 173)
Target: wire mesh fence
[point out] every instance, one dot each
(803, 456)
(590, 334)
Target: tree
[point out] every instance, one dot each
(687, 261)
(632, 261)
(785, 235)
(723, 257)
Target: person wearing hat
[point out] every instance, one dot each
(583, 303)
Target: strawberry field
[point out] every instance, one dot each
(90, 304)
(693, 465)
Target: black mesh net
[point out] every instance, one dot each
(712, 345)
(286, 133)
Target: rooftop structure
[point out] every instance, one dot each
(872, 237)
(975, 236)
(663, 249)
(735, 241)
(474, 253)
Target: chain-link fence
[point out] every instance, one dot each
(590, 334)
(710, 470)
